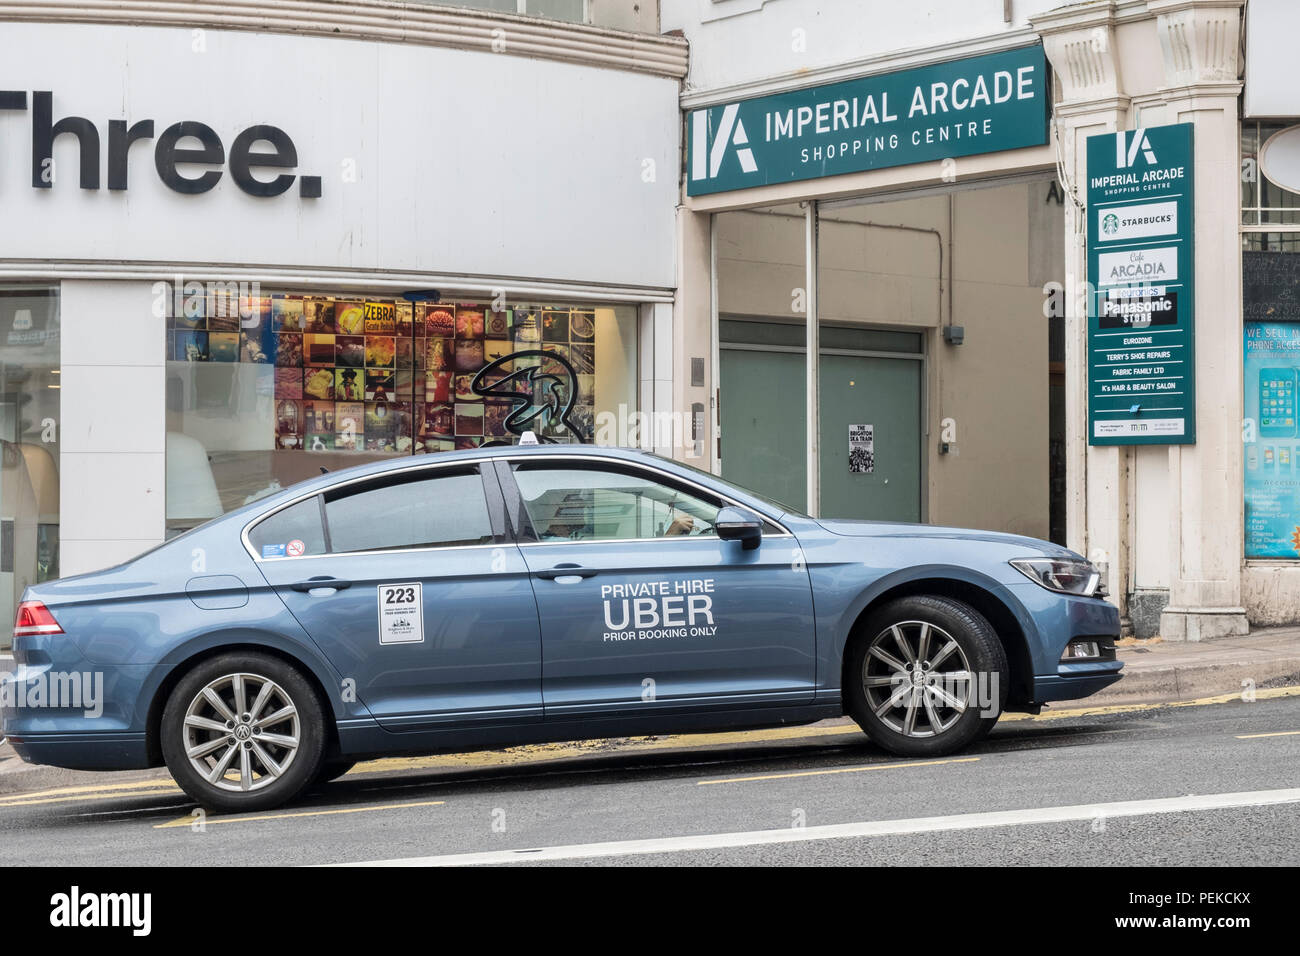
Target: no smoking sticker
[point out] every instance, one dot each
(401, 614)
(295, 549)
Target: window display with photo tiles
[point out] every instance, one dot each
(378, 375)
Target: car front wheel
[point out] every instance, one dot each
(243, 731)
(927, 676)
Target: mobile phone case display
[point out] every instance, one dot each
(1272, 480)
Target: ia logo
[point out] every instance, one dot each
(706, 158)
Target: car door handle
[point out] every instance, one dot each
(566, 571)
(313, 584)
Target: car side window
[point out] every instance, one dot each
(294, 532)
(446, 509)
(607, 504)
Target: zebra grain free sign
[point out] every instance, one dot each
(1141, 379)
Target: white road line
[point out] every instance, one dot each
(841, 831)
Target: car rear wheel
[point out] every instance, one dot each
(243, 731)
(927, 676)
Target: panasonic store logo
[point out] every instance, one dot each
(181, 151)
(706, 159)
(1127, 150)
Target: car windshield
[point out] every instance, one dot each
(779, 506)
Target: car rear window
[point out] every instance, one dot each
(296, 531)
(446, 510)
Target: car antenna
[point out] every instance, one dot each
(324, 470)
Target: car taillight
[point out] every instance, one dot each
(35, 618)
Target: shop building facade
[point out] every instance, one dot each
(894, 251)
(234, 253)
(683, 213)
(980, 262)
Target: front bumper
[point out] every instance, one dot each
(1058, 620)
(1076, 685)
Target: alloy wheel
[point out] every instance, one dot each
(241, 732)
(917, 679)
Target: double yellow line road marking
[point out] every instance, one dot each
(195, 820)
(548, 753)
(754, 778)
(107, 791)
(291, 814)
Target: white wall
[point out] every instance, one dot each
(465, 163)
(1271, 90)
(740, 41)
(112, 452)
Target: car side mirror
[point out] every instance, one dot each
(739, 524)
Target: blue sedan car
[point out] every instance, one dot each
(524, 594)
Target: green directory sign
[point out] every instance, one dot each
(1141, 347)
(980, 104)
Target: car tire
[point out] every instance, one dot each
(922, 705)
(269, 751)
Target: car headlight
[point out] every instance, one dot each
(1066, 575)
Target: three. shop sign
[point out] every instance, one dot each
(981, 104)
(1141, 345)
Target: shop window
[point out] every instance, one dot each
(265, 390)
(29, 442)
(574, 11)
(830, 337)
(1271, 381)
(571, 10)
(1263, 202)
(1270, 285)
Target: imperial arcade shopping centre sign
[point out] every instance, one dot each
(1141, 361)
(981, 104)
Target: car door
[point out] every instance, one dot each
(407, 583)
(642, 605)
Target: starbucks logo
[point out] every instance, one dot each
(1110, 224)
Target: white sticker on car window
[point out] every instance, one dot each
(401, 614)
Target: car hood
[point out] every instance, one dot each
(853, 528)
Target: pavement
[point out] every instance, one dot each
(1156, 674)
(1159, 671)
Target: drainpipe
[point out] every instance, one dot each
(812, 374)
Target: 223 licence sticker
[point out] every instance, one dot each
(401, 614)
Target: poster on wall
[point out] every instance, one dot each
(1272, 483)
(862, 449)
(1141, 378)
(382, 376)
